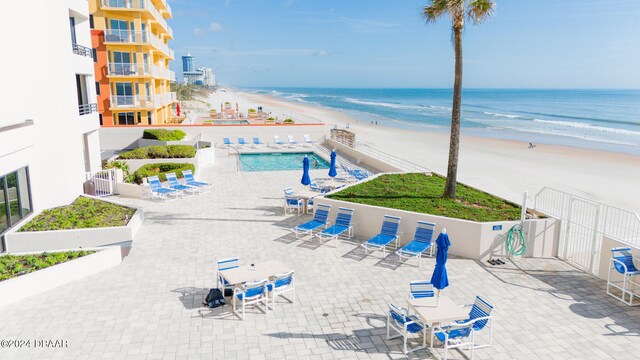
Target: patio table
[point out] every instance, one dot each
(261, 271)
(432, 311)
(306, 195)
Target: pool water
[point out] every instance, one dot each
(279, 161)
(229, 122)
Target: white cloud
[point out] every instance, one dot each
(214, 26)
(198, 32)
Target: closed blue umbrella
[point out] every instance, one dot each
(332, 168)
(306, 180)
(439, 279)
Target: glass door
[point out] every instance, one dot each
(124, 94)
(122, 63)
(118, 30)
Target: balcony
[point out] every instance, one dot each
(128, 69)
(138, 5)
(135, 102)
(137, 37)
(85, 109)
(82, 50)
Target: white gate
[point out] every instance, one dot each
(583, 223)
(104, 181)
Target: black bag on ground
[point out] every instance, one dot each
(228, 292)
(214, 299)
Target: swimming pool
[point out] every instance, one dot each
(230, 122)
(279, 161)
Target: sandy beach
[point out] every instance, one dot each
(502, 167)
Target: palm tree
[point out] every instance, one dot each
(477, 11)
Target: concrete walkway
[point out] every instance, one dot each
(149, 307)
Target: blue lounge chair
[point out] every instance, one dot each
(319, 221)
(422, 241)
(462, 333)
(419, 289)
(388, 234)
(175, 185)
(313, 185)
(191, 181)
(227, 142)
(292, 141)
(404, 324)
(160, 192)
(241, 141)
(292, 202)
(277, 141)
(622, 262)
(256, 141)
(307, 139)
(341, 226)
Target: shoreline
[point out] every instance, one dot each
(503, 167)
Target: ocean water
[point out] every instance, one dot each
(595, 119)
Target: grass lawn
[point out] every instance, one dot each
(422, 193)
(16, 265)
(82, 213)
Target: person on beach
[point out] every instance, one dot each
(316, 163)
(532, 145)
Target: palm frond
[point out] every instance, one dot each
(432, 12)
(480, 10)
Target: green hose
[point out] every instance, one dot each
(516, 244)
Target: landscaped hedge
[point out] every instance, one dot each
(16, 265)
(164, 135)
(83, 213)
(160, 152)
(159, 169)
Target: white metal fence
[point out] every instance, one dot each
(104, 181)
(584, 223)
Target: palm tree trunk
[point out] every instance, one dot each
(454, 141)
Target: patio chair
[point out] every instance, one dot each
(282, 284)
(313, 186)
(422, 241)
(175, 184)
(251, 293)
(462, 333)
(319, 221)
(419, 289)
(622, 262)
(203, 187)
(292, 202)
(241, 141)
(160, 192)
(227, 142)
(341, 226)
(277, 141)
(388, 234)
(256, 141)
(223, 265)
(307, 139)
(292, 141)
(404, 324)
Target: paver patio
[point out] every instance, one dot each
(149, 307)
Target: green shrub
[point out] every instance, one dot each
(288, 121)
(271, 118)
(16, 265)
(164, 135)
(139, 153)
(160, 169)
(181, 151)
(83, 213)
(160, 152)
(251, 110)
(157, 152)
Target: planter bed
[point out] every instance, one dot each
(29, 241)
(23, 286)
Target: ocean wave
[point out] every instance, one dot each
(579, 125)
(594, 119)
(384, 104)
(569, 135)
(510, 116)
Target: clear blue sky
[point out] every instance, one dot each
(383, 43)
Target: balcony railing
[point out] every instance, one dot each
(85, 109)
(128, 69)
(136, 37)
(125, 101)
(82, 50)
(139, 5)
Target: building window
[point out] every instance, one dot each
(91, 21)
(97, 88)
(100, 118)
(72, 25)
(148, 117)
(15, 198)
(94, 54)
(126, 118)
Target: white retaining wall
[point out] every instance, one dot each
(21, 287)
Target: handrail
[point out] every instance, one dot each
(400, 163)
